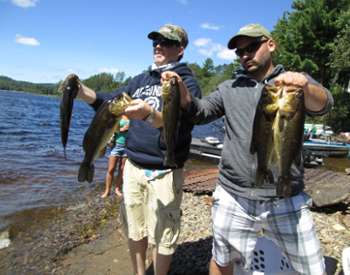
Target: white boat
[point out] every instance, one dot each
(209, 148)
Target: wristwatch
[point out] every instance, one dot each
(150, 117)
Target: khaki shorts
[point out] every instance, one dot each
(151, 208)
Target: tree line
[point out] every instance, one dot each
(314, 37)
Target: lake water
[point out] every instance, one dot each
(33, 171)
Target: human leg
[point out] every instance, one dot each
(163, 216)
(133, 215)
(137, 250)
(215, 269)
(161, 263)
(112, 160)
(235, 228)
(119, 180)
(291, 227)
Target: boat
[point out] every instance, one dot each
(207, 150)
(314, 150)
(324, 148)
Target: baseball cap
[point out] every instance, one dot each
(171, 32)
(250, 30)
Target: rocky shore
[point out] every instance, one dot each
(85, 238)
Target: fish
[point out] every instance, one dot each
(288, 129)
(102, 127)
(262, 139)
(277, 138)
(69, 89)
(171, 115)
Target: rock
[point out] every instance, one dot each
(338, 227)
(4, 239)
(326, 187)
(347, 171)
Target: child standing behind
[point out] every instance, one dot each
(117, 155)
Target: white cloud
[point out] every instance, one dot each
(25, 3)
(183, 2)
(29, 41)
(226, 54)
(202, 42)
(210, 26)
(108, 70)
(209, 48)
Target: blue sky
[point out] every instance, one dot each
(44, 40)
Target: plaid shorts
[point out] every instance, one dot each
(238, 222)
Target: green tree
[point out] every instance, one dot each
(313, 38)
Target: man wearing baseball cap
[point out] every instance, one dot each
(242, 209)
(152, 192)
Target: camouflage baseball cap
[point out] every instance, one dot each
(251, 30)
(171, 32)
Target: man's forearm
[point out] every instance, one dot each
(315, 95)
(86, 94)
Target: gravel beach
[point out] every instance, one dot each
(86, 239)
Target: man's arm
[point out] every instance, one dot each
(86, 94)
(139, 109)
(316, 96)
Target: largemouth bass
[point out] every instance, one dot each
(171, 115)
(263, 137)
(288, 131)
(69, 89)
(104, 124)
(278, 136)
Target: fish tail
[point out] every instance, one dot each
(284, 188)
(86, 172)
(264, 176)
(169, 161)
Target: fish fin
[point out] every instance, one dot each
(102, 152)
(86, 172)
(169, 162)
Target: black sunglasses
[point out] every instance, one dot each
(251, 48)
(167, 43)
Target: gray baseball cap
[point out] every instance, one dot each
(171, 32)
(250, 30)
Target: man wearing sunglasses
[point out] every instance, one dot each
(240, 210)
(152, 193)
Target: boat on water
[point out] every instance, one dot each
(314, 150)
(324, 148)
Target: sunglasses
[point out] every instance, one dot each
(251, 48)
(167, 43)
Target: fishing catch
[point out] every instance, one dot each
(69, 89)
(278, 136)
(104, 124)
(171, 115)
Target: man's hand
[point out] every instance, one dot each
(185, 94)
(71, 83)
(138, 109)
(292, 79)
(84, 92)
(315, 94)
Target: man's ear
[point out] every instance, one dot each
(271, 44)
(181, 51)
